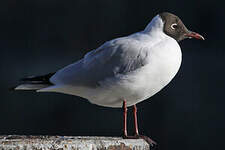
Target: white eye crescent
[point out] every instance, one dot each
(174, 26)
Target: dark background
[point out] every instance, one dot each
(41, 36)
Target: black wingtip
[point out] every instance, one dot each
(38, 79)
(44, 79)
(30, 78)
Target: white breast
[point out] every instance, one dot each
(164, 63)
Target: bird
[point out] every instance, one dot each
(124, 71)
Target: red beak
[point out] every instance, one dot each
(194, 35)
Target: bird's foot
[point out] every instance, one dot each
(152, 143)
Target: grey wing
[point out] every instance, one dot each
(118, 56)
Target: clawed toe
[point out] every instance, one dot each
(147, 139)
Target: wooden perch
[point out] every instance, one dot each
(17, 142)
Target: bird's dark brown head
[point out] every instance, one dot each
(175, 28)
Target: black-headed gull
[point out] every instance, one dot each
(124, 71)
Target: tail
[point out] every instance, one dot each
(34, 82)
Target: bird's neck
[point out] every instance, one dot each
(155, 26)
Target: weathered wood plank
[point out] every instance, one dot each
(16, 142)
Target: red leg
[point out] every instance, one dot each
(136, 136)
(124, 118)
(147, 139)
(135, 120)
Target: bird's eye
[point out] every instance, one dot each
(174, 26)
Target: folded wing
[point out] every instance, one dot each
(119, 56)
